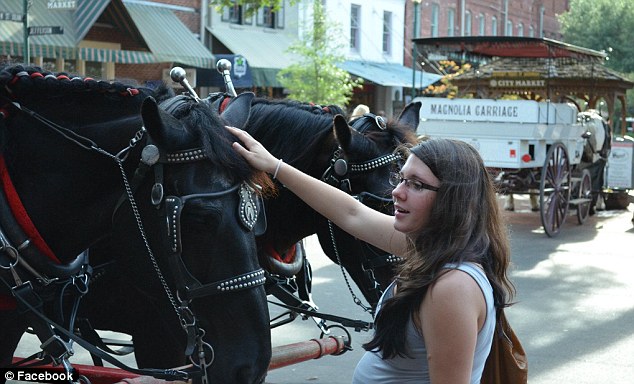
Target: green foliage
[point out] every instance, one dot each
(316, 78)
(602, 25)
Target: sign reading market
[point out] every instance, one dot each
(516, 79)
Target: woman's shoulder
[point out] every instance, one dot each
(455, 281)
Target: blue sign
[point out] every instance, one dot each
(240, 73)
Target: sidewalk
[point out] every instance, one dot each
(575, 310)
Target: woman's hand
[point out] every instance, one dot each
(253, 152)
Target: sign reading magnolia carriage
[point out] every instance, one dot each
(480, 110)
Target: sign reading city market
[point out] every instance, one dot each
(516, 80)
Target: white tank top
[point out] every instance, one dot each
(404, 370)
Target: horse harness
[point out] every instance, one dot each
(23, 271)
(338, 174)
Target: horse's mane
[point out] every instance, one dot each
(19, 80)
(206, 125)
(29, 83)
(288, 128)
(83, 101)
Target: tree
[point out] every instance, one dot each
(316, 78)
(602, 25)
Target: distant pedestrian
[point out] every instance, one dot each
(359, 111)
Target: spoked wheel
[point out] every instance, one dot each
(584, 196)
(554, 191)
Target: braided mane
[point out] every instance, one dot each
(20, 80)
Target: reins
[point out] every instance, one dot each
(187, 286)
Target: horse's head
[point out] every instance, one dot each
(598, 136)
(361, 166)
(205, 197)
(367, 154)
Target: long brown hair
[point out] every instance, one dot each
(466, 226)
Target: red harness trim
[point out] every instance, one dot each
(287, 258)
(21, 215)
(224, 104)
(7, 302)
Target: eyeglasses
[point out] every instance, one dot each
(413, 184)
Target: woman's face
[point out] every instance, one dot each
(412, 204)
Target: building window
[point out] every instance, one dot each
(237, 14)
(434, 20)
(509, 28)
(531, 31)
(355, 25)
(265, 17)
(520, 29)
(232, 14)
(467, 23)
(279, 17)
(451, 21)
(387, 32)
(269, 19)
(482, 25)
(494, 26)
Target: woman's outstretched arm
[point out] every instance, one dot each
(342, 209)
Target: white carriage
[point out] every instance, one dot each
(531, 147)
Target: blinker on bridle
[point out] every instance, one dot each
(339, 170)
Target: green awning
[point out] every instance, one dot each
(167, 38)
(389, 74)
(86, 14)
(265, 77)
(266, 53)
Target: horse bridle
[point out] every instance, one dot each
(187, 285)
(338, 175)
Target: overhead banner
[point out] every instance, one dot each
(241, 75)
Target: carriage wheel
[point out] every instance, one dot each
(585, 193)
(554, 191)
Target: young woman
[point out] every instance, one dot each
(435, 322)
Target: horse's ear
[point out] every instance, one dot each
(237, 112)
(411, 115)
(165, 129)
(343, 132)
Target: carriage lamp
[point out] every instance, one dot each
(527, 158)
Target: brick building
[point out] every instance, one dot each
(529, 18)
(106, 39)
(142, 40)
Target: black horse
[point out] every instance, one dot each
(84, 160)
(355, 158)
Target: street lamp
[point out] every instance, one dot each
(415, 35)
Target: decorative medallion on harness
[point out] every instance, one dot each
(248, 209)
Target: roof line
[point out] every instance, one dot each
(468, 44)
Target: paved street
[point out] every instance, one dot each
(574, 311)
